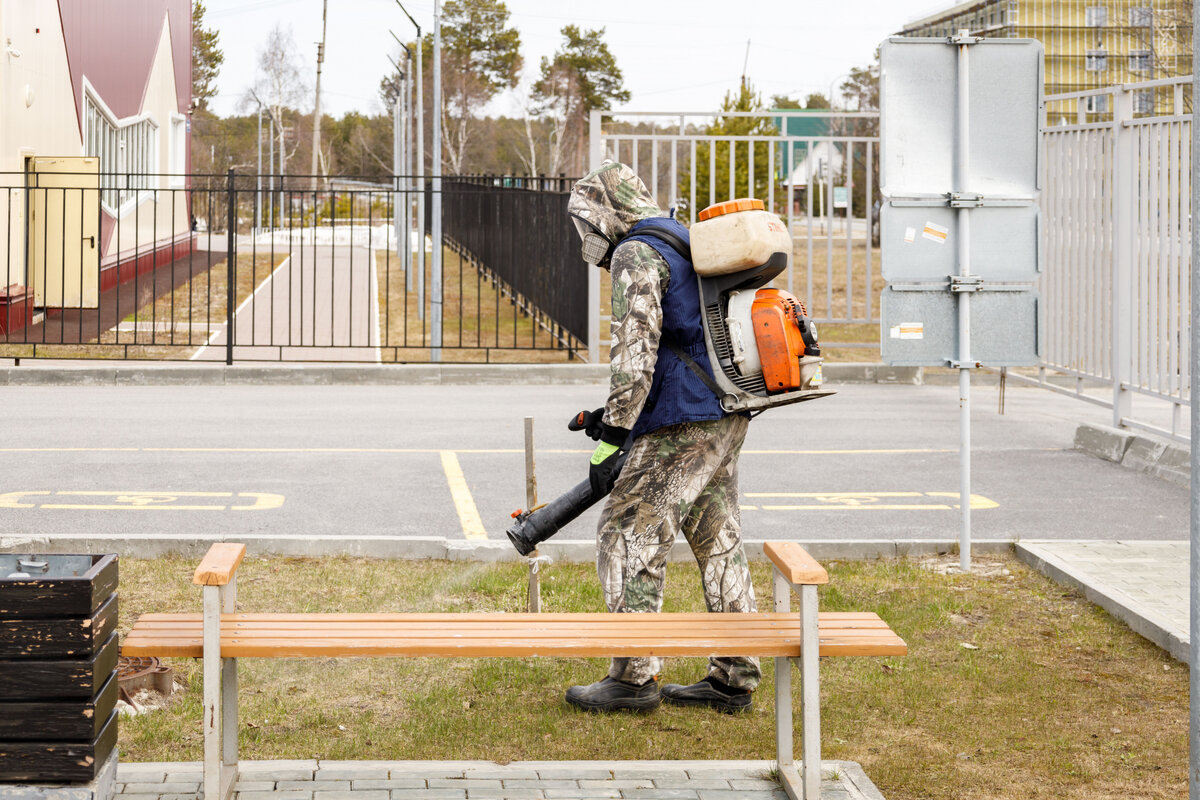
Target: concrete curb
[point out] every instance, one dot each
(77, 373)
(1134, 614)
(567, 551)
(1158, 457)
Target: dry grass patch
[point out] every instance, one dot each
(1058, 700)
(480, 322)
(171, 325)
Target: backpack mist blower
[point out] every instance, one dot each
(761, 344)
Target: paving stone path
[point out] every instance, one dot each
(483, 780)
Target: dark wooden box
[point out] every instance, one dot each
(25, 679)
(57, 762)
(58, 667)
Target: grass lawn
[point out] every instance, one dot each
(480, 323)
(1014, 687)
(173, 325)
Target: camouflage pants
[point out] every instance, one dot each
(682, 478)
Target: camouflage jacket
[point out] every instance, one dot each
(639, 281)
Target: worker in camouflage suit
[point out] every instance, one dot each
(680, 473)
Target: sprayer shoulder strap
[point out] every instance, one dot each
(675, 241)
(674, 347)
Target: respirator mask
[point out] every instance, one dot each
(597, 249)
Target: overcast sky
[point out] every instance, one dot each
(676, 55)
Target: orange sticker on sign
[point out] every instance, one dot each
(935, 233)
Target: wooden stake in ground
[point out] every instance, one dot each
(535, 588)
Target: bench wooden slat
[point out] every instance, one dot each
(489, 617)
(350, 648)
(515, 635)
(219, 564)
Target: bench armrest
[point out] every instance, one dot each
(795, 564)
(220, 564)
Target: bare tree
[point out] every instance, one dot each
(279, 84)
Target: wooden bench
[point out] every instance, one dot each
(221, 636)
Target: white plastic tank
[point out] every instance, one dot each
(736, 235)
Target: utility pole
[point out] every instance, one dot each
(745, 64)
(317, 105)
(420, 155)
(435, 300)
(258, 194)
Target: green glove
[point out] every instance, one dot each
(603, 462)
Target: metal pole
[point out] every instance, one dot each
(408, 182)
(435, 299)
(1194, 622)
(271, 177)
(420, 184)
(230, 270)
(397, 158)
(258, 194)
(317, 106)
(595, 156)
(964, 309)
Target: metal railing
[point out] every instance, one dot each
(817, 169)
(219, 268)
(1118, 239)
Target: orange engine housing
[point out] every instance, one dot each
(775, 314)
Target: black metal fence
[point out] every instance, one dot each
(261, 267)
(518, 230)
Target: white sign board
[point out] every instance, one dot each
(918, 129)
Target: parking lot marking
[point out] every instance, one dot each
(468, 514)
(865, 501)
(145, 501)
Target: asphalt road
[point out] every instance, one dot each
(873, 462)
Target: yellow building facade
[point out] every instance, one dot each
(1090, 44)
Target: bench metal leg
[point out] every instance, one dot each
(220, 698)
(784, 748)
(810, 693)
(784, 745)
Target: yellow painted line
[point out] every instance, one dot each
(834, 495)
(144, 501)
(468, 514)
(865, 501)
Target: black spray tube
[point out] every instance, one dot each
(531, 528)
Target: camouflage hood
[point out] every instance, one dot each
(612, 198)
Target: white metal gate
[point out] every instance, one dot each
(817, 169)
(1116, 205)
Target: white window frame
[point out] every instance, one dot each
(1095, 60)
(1095, 16)
(1096, 104)
(118, 195)
(1143, 101)
(177, 150)
(1141, 60)
(1141, 17)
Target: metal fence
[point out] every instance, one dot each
(1118, 243)
(817, 169)
(247, 267)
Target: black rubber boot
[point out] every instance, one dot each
(708, 692)
(611, 694)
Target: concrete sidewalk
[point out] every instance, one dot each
(1143, 583)
(471, 780)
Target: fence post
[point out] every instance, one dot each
(230, 271)
(595, 156)
(1125, 209)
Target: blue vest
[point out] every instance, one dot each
(676, 393)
